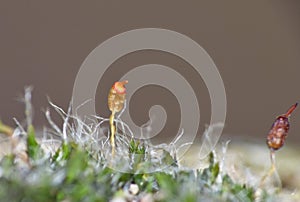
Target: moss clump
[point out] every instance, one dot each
(78, 166)
(73, 174)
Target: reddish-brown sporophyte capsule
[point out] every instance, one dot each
(279, 130)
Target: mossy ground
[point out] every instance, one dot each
(74, 163)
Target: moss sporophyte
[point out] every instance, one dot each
(275, 140)
(116, 99)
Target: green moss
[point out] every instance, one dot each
(80, 170)
(81, 178)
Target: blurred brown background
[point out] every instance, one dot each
(255, 45)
